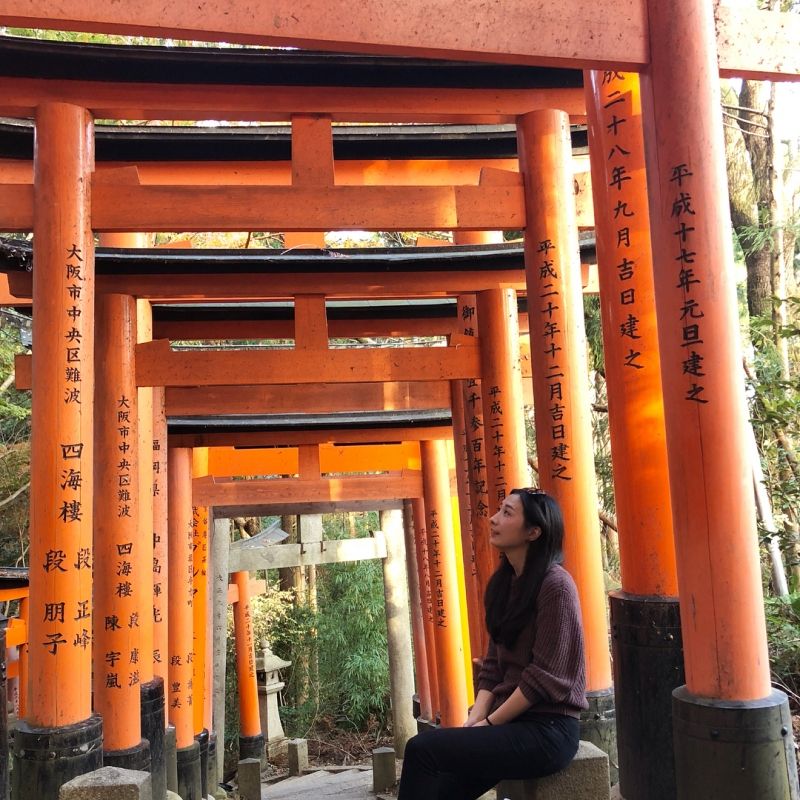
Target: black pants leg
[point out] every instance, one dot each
(463, 763)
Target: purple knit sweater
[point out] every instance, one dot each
(547, 660)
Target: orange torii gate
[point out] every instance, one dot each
(725, 646)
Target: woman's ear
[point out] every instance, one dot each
(534, 534)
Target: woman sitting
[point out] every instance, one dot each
(531, 688)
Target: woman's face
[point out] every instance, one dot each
(508, 528)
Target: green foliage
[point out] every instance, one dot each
(783, 636)
(353, 663)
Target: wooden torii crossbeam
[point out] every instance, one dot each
(751, 43)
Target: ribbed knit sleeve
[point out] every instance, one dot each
(556, 672)
(490, 674)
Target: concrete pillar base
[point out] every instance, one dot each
(252, 747)
(648, 664)
(213, 778)
(152, 698)
(108, 783)
(171, 758)
(733, 750)
(132, 758)
(249, 779)
(202, 740)
(599, 726)
(384, 769)
(190, 786)
(47, 758)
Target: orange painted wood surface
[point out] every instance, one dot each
(59, 687)
(306, 208)
(311, 398)
(123, 207)
(122, 587)
(705, 409)
(160, 536)
(157, 365)
(312, 150)
(310, 322)
(288, 490)
(447, 628)
(426, 598)
(19, 97)
(630, 337)
(228, 461)
(581, 34)
(249, 720)
(295, 438)
(200, 550)
(558, 357)
(225, 207)
(16, 632)
(422, 681)
(179, 690)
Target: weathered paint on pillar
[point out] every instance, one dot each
(473, 599)
(426, 595)
(118, 656)
(200, 576)
(249, 720)
(59, 668)
(180, 695)
(24, 615)
(220, 544)
(505, 450)
(160, 538)
(144, 333)
(444, 584)
(423, 686)
(722, 610)
(630, 335)
(485, 559)
(558, 359)
(398, 634)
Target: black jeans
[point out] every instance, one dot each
(463, 763)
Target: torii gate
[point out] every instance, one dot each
(726, 658)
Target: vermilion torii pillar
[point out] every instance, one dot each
(180, 688)
(251, 738)
(732, 731)
(560, 388)
(426, 598)
(60, 738)
(151, 685)
(199, 615)
(418, 611)
(452, 679)
(646, 645)
(118, 584)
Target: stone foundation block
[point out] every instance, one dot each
(109, 783)
(384, 770)
(298, 756)
(249, 779)
(586, 778)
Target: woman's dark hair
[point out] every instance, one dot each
(511, 604)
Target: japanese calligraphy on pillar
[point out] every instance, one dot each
(624, 175)
(57, 618)
(686, 282)
(159, 546)
(421, 538)
(435, 568)
(550, 335)
(181, 680)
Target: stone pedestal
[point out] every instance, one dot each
(109, 783)
(268, 667)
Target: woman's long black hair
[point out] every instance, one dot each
(511, 604)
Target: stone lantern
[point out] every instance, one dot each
(268, 667)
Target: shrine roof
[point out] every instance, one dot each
(273, 142)
(17, 255)
(282, 423)
(34, 58)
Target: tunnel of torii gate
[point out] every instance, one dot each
(691, 697)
